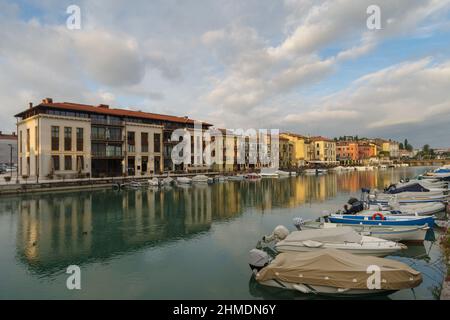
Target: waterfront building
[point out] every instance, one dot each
(322, 149)
(300, 149)
(8, 148)
(287, 155)
(77, 140)
(347, 152)
(366, 150)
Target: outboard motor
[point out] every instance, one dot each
(258, 259)
(278, 234)
(299, 223)
(356, 207)
(351, 201)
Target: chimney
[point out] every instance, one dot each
(0, 133)
(47, 100)
(30, 104)
(104, 106)
(14, 134)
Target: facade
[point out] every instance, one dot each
(300, 150)
(287, 153)
(367, 150)
(8, 148)
(322, 149)
(76, 140)
(347, 152)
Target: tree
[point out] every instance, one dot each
(401, 146)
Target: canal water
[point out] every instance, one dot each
(174, 243)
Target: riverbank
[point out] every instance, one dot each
(23, 187)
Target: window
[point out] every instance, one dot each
(157, 142)
(20, 143)
(55, 163)
(28, 164)
(28, 140)
(131, 142)
(67, 139)
(68, 163)
(55, 138)
(144, 142)
(36, 137)
(144, 164)
(80, 163)
(80, 139)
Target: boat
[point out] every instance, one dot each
(283, 174)
(343, 238)
(167, 181)
(252, 176)
(332, 272)
(153, 182)
(392, 233)
(293, 173)
(220, 178)
(413, 188)
(184, 180)
(315, 171)
(420, 209)
(269, 173)
(200, 179)
(381, 220)
(238, 177)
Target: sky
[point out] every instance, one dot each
(308, 66)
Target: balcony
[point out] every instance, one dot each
(108, 154)
(112, 138)
(108, 122)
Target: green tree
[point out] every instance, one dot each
(401, 146)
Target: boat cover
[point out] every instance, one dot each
(344, 234)
(338, 269)
(414, 187)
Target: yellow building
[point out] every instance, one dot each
(286, 153)
(300, 148)
(322, 149)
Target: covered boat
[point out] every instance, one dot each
(153, 182)
(392, 233)
(344, 238)
(381, 220)
(200, 179)
(332, 272)
(184, 180)
(421, 209)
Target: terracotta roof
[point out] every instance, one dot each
(293, 135)
(8, 137)
(319, 138)
(103, 109)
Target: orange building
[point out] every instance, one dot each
(367, 150)
(347, 151)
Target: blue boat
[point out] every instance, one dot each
(380, 220)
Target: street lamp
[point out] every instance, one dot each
(10, 158)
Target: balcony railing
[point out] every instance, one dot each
(108, 122)
(108, 154)
(105, 137)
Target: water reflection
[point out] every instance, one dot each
(56, 230)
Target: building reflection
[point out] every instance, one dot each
(60, 229)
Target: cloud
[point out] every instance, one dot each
(406, 96)
(258, 73)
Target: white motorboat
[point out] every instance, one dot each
(343, 238)
(421, 209)
(200, 179)
(252, 177)
(282, 174)
(238, 177)
(184, 180)
(331, 272)
(221, 178)
(293, 173)
(392, 233)
(167, 181)
(269, 173)
(153, 182)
